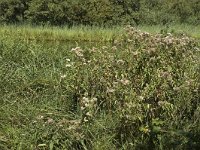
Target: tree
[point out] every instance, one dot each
(12, 11)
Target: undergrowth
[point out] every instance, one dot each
(143, 92)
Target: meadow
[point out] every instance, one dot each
(92, 88)
(88, 33)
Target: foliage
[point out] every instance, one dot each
(12, 11)
(142, 92)
(99, 12)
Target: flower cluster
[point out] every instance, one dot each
(88, 107)
(141, 78)
(78, 51)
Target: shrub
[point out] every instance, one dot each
(149, 84)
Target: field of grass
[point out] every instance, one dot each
(45, 33)
(86, 33)
(190, 30)
(140, 92)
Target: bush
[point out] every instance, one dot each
(149, 86)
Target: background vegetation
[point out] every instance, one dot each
(100, 12)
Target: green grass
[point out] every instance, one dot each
(141, 92)
(86, 33)
(79, 33)
(191, 30)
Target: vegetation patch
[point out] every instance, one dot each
(141, 92)
(99, 12)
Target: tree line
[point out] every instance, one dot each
(99, 12)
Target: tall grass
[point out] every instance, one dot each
(190, 30)
(46, 33)
(142, 92)
(86, 33)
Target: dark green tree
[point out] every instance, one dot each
(13, 11)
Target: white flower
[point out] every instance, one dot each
(68, 65)
(82, 108)
(120, 61)
(129, 40)
(50, 120)
(94, 99)
(114, 48)
(110, 90)
(78, 51)
(89, 114)
(85, 99)
(63, 76)
(125, 81)
(141, 97)
(85, 120)
(87, 105)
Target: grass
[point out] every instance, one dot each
(141, 92)
(80, 33)
(86, 33)
(191, 30)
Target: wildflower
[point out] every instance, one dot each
(50, 120)
(145, 34)
(169, 34)
(127, 116)
(189, 82)
(176, 88)
(87, 105)
(68, 60)
(151, 50)
(71, 128)
(165, 74)
(135, 53)
(82, 108)
(85, 100)
(129, 40)
(114, 48)
(86, 94)
(78, 51)
(141, 97)
(63, 76)
(40, 117)
(94, 49)
(79, 54)
(120, 62)
(125, 81)
(68, 65)
(89, 114)
(146, 130)
(110, 90)
(116, 41)
(130, 33)
(34, 121)
(94, 99)
(85, 119)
